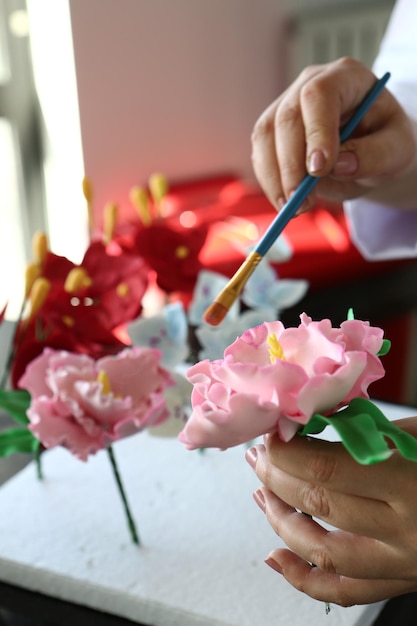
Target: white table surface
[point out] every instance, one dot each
(203, 539)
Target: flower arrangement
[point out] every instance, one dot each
(87, 365)
(295, 380)
(74, 381)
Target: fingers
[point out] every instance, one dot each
(349, 513)
(369, 551)
(299, 132)
(381, 159)
(322, 479)
(291, 135)
(278, 145)
(332, 551)
(385, 147)
(330, 587)
(328, 99)
(321, 117)
(409, 424)
(265, 159)
(328, 464)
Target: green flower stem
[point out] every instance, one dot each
(38, 454)
(9, 361)
(11, 349)
(130, 520)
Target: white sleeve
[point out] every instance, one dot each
(378, 231)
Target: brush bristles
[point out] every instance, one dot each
(215, 314)
(217, 311)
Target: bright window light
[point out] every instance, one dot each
(12, 261)
(55, 80)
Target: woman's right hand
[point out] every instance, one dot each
(300, 131)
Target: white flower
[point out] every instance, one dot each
(168, 332)
(208, 286)
(265, 289)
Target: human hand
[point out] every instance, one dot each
(300, 131)
(371, 552)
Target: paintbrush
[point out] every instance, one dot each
(217, 311)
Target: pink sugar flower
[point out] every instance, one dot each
(86, 405)
(274, 379)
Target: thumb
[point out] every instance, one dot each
(383, 153)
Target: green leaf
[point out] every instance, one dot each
(363, 430)
(15, 403)
(17, 440)
(350, 314)
(385, 348)
(315, 426)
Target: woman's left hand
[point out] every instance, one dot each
(370, 554)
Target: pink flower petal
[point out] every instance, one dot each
(244, 395)
(71, 408)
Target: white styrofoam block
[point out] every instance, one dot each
(203, 539)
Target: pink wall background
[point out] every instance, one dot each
(172, 86)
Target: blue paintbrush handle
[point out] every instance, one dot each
(309, 182)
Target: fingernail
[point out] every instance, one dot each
(305, 206)
(259, 498)
(274, 565)
(279, 203)
(317, 162)
(251, 455)
(346, 164)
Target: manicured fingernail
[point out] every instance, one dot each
(274, 565)
(316, 162)
(279, 203)
(346, 164)
(305, 206)
(259, 498)
(251, 456)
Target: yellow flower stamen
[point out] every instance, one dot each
(182, 252)
(158, 186)
(68, 321)
(88, 195)
(122, 290)
(275, 348)
(32, 272)
(109, 221)
(38, 295)
(140, 200)
(77, 279)
(39, 247)
(103, 378)
(87, 189)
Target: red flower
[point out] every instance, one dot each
(49, 330)
(81, 306)
(119, 282)
(112, 287)
(173, 252)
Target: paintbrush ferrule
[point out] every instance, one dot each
(234, 287)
